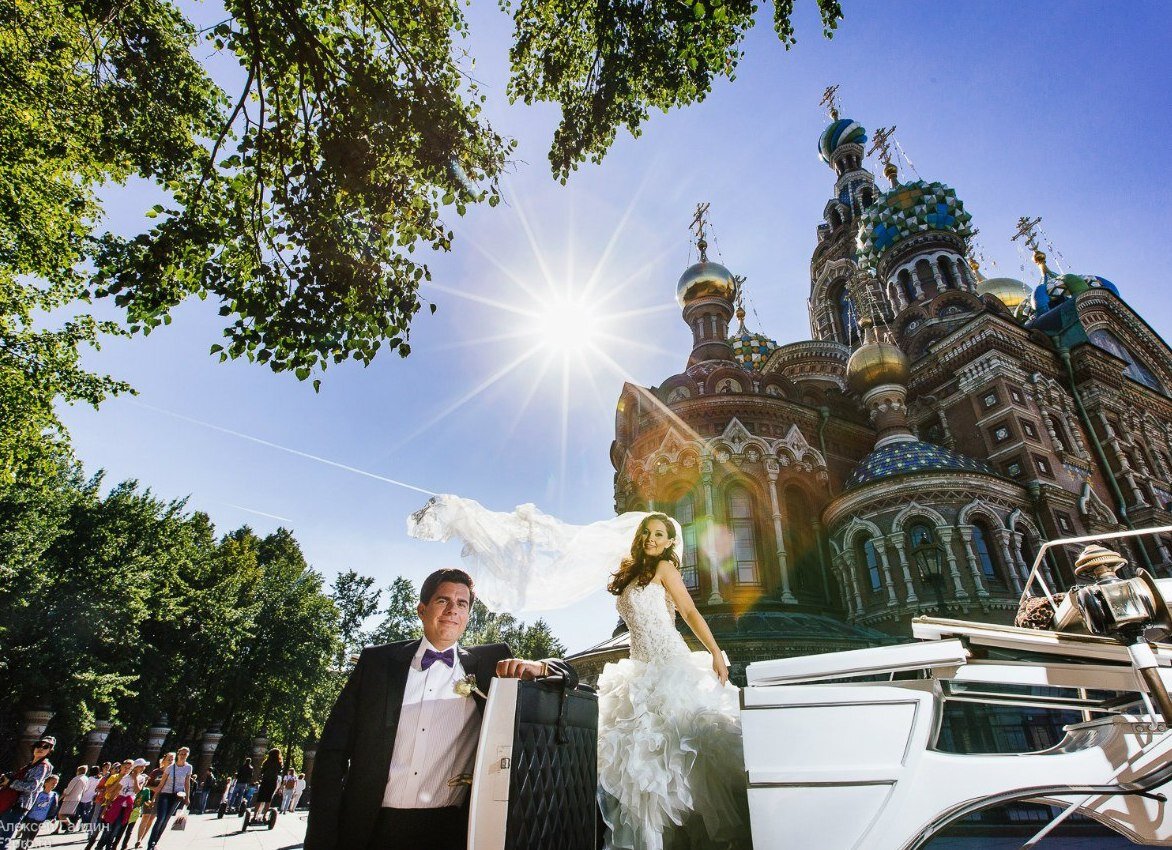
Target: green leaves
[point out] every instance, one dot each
(609, 64)
(299, 201)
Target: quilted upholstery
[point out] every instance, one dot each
(553, 784)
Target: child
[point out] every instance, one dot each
(44, 808)
(140, 801)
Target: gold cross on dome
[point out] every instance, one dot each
(881, 144)
(699, 226)
(830, 101)
(1027, 230)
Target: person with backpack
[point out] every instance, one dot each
(19, 789)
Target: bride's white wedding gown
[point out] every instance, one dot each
(670, 764)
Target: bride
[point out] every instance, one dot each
(670, 765)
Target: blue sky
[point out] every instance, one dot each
(1059, 110)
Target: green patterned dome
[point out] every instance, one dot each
(751, 349)
(905, 210)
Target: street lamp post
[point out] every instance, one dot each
(927, 558)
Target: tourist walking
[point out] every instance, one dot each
(44, 808)
(173, 794)
(117, 815)
(21, 787)
(108, 793)
(153, 783)
(287, 785)
(71, 798)
(141, 800)
(200, 804)
(95, 811)
(86, 809)
(298, 790)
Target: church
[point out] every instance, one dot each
(910, 456)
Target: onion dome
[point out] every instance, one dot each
(841, 132)
(750, 349)
(1054, 289)
(705, 279)
(875, 363)
(910, 458)
(905, 210)
(1009, 291)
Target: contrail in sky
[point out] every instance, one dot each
(281, 448)
(258, 513)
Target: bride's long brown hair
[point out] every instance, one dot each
(638, 567)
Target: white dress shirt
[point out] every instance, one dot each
(436, 737)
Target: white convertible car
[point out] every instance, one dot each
(841, 749)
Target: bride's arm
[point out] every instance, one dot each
(667, 574)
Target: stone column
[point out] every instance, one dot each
(156, 735)
(207, 747)
(34, 721)
(953, 570)
(773, 469)
(966, 534)
(848, 568)
(881, 550)
(1011, 563)
(898, 542)
(95, 739)
(714, 598)
(260, 746)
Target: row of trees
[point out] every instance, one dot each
(123, 606)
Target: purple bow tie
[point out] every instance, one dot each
(430, 656)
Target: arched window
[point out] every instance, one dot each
(740, 521)
(919, 534)
(946, 272)
(1136, 369)
(867, 555)
(984, 555)
(924, 275)
(848, 317)
(685, 514)
(905, 283)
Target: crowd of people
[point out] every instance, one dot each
(115, 802)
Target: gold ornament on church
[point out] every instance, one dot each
(875, 363)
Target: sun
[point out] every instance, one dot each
(568, 324)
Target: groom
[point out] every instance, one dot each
(396, 753)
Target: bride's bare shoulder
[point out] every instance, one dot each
(664, 569)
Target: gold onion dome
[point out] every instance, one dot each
(705, 279)
(875, 363)
(1009, 291)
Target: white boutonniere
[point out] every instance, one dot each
(466, 687)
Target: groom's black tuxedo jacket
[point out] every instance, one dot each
(354, 755)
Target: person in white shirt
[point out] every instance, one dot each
(298, 790)
(71, 800)
(403, 736)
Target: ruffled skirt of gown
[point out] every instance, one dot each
(670, 761)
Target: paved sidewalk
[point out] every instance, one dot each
(207, 832)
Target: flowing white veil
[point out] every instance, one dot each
(527, 560)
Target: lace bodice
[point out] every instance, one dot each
(650, 615)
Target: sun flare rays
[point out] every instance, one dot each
(560, 318)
